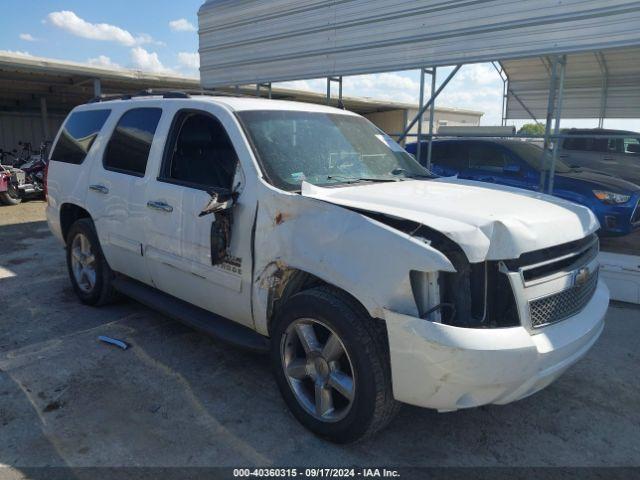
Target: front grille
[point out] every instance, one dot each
(562, 305)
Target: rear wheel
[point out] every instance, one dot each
(11, 196)
(331, 363)
(89, 272)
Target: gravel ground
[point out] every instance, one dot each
(177, 398)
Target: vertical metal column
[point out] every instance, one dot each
(259, 87)
(97, 87)
(505, 92)
(434, 95)
(605, 88)
(420, 105)
(553, 83)
(45, 118)
(432, 115)
(556, 131)
(338, 80)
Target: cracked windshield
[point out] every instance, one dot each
(326, 149)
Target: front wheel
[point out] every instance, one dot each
(11, 196)
(331, 363)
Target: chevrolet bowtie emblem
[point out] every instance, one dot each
(582, 277)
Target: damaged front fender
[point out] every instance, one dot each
(367, 259)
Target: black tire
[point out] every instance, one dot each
(11, 196)
(102, 292)
(365, 341)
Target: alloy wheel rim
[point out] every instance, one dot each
(83, 263)
(318, 369)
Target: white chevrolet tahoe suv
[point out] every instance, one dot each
(305, 231)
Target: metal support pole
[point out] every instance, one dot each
(259, 87)
(505, 91)
(420, 105)
(605, 88)
(97, 87)
(553, 83)
(556, 131)
(45, 118)
(432, 115)
(328, 90)
(338, 80)
(434, 95)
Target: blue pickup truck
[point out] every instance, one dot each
(519, 164)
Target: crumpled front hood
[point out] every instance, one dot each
(488, 222)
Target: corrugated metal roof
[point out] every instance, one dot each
(584, 85)
(248, 41)
(23, 80)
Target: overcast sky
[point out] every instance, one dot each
(161, 36)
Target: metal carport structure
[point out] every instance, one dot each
(552, 53)
(599, 84)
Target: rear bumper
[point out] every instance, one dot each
(448, 368)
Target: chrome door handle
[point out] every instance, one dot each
(160, 206)
(99, 189)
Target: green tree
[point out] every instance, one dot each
(532, 129)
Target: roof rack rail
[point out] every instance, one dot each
(164, 94)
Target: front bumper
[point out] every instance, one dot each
(618, 220)
(448, 368)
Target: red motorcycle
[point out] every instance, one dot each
(27, 181)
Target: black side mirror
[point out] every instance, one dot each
(220, 205)
(219, 202)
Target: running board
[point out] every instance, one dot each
(209, 323)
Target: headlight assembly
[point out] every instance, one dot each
(611, 198)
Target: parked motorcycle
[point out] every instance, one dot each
(26, 181)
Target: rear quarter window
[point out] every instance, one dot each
(77, 136)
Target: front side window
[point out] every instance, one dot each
(200, 153)
(129, 146)
(78, 134)
(325, 149)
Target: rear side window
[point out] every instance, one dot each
(129, 146)
(587, 144)
(448, 154)
(486, 157)
(78, 134)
